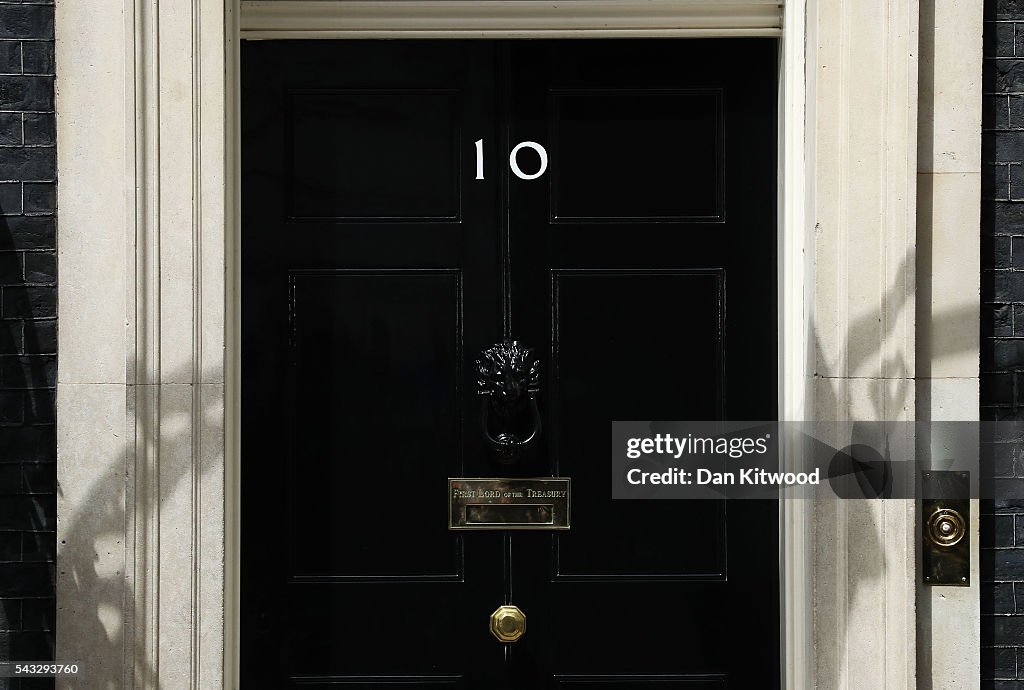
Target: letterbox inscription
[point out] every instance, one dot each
(508, 503)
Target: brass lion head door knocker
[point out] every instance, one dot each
(508, 383)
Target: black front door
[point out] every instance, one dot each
(377, 265)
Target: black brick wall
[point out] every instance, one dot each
(1002, 333)
(28, 334)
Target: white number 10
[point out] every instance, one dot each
(513, 162)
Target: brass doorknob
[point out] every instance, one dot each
(508, 623)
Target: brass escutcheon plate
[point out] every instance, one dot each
(945, 517)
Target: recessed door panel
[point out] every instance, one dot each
(360, 155)
(618, 352)
(376, 379)
(642, 155)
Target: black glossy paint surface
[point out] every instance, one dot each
(641, 271)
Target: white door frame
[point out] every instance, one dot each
(148, 382)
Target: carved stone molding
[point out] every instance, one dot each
(507, 18)
(141, 386)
